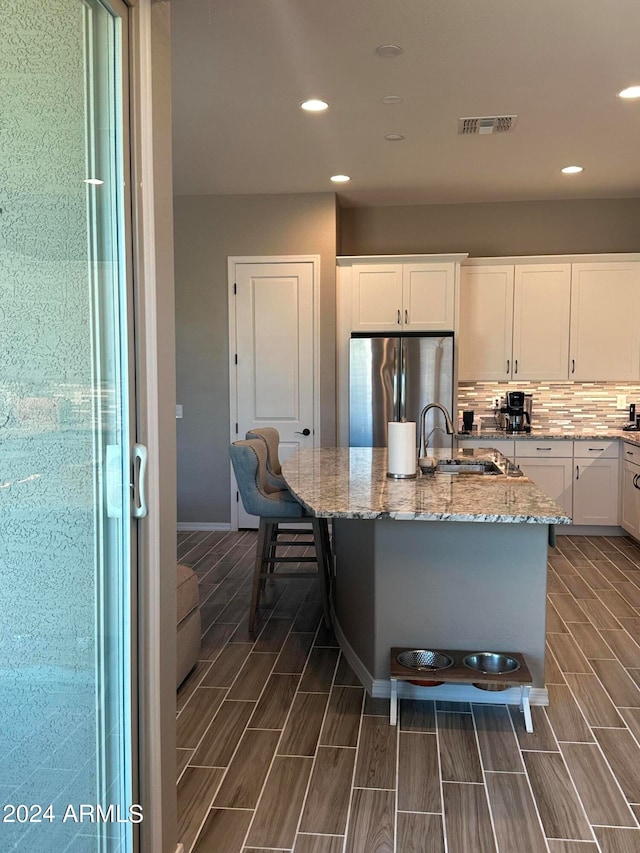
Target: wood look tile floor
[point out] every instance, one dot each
(280, 748)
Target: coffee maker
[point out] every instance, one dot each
(517, 411)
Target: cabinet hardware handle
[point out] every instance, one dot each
(635, 481)
(516, 366)
(573, 365)
(399, 316)
(543, 448)
(629, 452)
(406, 316)
(577, 472)
(508, 363)
(595, 449)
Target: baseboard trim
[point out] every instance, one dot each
(194, 526)
(381, 688)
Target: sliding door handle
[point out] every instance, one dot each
(139, 459)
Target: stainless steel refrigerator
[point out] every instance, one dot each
(392, 378)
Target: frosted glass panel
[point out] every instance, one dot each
(65, 568)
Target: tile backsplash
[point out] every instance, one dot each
(555, 404)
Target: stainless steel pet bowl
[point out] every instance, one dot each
(491, 663)
(424, 660)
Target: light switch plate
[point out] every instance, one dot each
(178, 410)
(621, 401)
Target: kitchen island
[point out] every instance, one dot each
(442, 561)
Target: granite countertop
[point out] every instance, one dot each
(352, 482)
(569, 433)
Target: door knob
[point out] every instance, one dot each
(305, 431)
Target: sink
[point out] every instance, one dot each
(466, 466)
(477, 466)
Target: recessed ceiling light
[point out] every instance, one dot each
(340, 179)
(314, 105)
(394, 137)
(392, 99)
(388, 51)
(572, 170)
(630, 92)
(93, 181)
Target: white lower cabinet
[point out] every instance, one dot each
(630, 492)
(595, 486)
(550, 465)
(582, 476)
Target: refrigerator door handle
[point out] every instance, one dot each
(403, 383)
(396, 381)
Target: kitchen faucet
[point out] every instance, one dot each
(424, 439)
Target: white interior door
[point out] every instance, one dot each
(274, 358)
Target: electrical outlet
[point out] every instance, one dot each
(621, 401)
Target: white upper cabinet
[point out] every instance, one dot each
(514, 322)
(542, 295)
(376, 295)
(403, 297)
(428, 297)
(605, 322)
(486, 322)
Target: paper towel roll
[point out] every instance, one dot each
(402, 449)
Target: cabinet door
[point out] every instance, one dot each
(376, 297)
(428, 297)
(630, 509)
(541, 298)
(595, 491)
(605, 315)
(486, 322)
(552, 476)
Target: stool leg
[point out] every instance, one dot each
(321, 557)
(273, 545)
(262, 546)
(269, 551)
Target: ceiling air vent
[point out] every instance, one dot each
(486, 124)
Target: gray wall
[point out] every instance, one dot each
(510, 228)
(209, 229)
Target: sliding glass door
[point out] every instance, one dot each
(67, 568)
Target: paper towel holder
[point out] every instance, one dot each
(411, 473)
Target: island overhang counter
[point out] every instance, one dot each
(442, 561)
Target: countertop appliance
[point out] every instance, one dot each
(518, 411)
(392, 377)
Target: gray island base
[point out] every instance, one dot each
(442, 585)
(444, 561)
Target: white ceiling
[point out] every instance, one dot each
(241, 68)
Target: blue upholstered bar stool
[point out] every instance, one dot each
(271, 438)
(276, 507)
